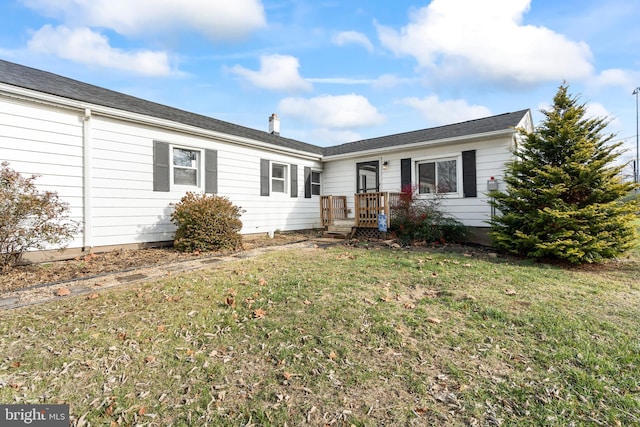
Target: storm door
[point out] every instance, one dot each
(368, 177)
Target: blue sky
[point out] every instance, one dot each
(340, 70)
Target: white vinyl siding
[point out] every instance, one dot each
(117, 200)
(47, 141)
(44, 141)
(491, 155)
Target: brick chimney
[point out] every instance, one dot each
(274, 124)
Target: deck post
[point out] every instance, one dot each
(385, 201)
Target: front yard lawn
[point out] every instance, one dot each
(340, 336)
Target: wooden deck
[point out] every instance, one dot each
(368, 206)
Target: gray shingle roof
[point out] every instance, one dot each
(471, 127)
(53, 84)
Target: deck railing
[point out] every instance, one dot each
(332, 207)
(367, 208)
(370, 205)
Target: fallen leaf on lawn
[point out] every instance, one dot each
(510, 291)
(15, 364)
(142, 411)
(192, 313)
(287, 375)
(172, 298)
(160, 328)
(307, 302)
(93, 295)
(230, 301)
(109, 409)
(409, 305)
(333, 355)
(231, 292)
(259, 313)
(466, 265)
(434, 320)
(420, 411)
(63, 292)
(385, 298)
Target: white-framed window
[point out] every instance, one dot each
(186, 166)
(441, 176)
(279, 178)
(315, 183)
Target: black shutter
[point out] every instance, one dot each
(294, 180)
(405, 173)
(264, 177)
(210, 171)
(307, 182)
(469, 186)
(160, 166)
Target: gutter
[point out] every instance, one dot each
(415, 145)
(87, 155)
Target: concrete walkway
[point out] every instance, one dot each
(89, 285)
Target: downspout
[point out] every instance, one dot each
(87, 241)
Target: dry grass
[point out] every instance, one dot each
(340, 336)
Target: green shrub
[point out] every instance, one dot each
(420, 219)
(29, 219)
(206, 223)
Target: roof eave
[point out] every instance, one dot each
(420, 144)
(55, 100)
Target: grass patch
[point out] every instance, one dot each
(340, 336)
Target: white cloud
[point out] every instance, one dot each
(333, 137)
(277, 72)
(616, 77)
(353, 37)
(216, 19)
(438, 112)
(341, 80)
(87, 47)
(333, 111)
(597, 110)
(487, 39)
(387, 81)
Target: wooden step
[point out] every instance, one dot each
(341, 228)
(343, 223)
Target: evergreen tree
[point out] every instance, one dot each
(564, 191)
